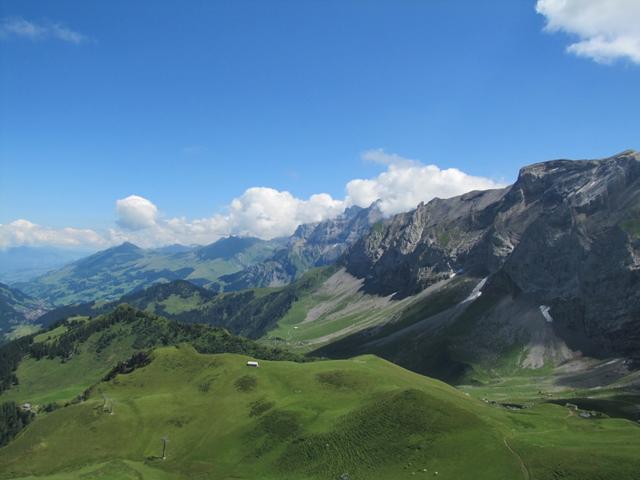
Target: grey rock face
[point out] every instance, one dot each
(416, 249)
(566, 233)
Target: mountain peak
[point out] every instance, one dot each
(127, 246)
(227, 247)
(561, 166)
(579, 180)
(103, 259)
(629, 153)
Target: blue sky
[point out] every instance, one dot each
(188, 105)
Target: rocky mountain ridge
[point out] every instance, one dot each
(565, 236)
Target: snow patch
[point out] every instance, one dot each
(544, 310)
(476, 292)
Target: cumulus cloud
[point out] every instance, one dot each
(259, 212)
(607, 30)
(268, 213)
(136, 213)
(21, 28)
(262, 211)
(408, 182)
(24, 232)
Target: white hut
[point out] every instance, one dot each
(252, 364)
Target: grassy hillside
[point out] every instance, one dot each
(112, 273)
(359, 419)
(59, 364)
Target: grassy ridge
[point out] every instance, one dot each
(363, 417)
(58, 365)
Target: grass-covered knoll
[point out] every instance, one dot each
(22, 330)
(364, 418)
(112, 273)
(59, 364)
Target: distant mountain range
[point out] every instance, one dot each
(230, 264)
(109, 274)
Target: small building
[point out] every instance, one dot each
(253, 364)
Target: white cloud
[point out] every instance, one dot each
(268, 213)
(408, 182)
(19, 27)
(607, 30)
(261, 211)
(23, 232)
(136, 213)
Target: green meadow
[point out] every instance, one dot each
(362, 418)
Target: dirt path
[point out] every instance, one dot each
(523, 467)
